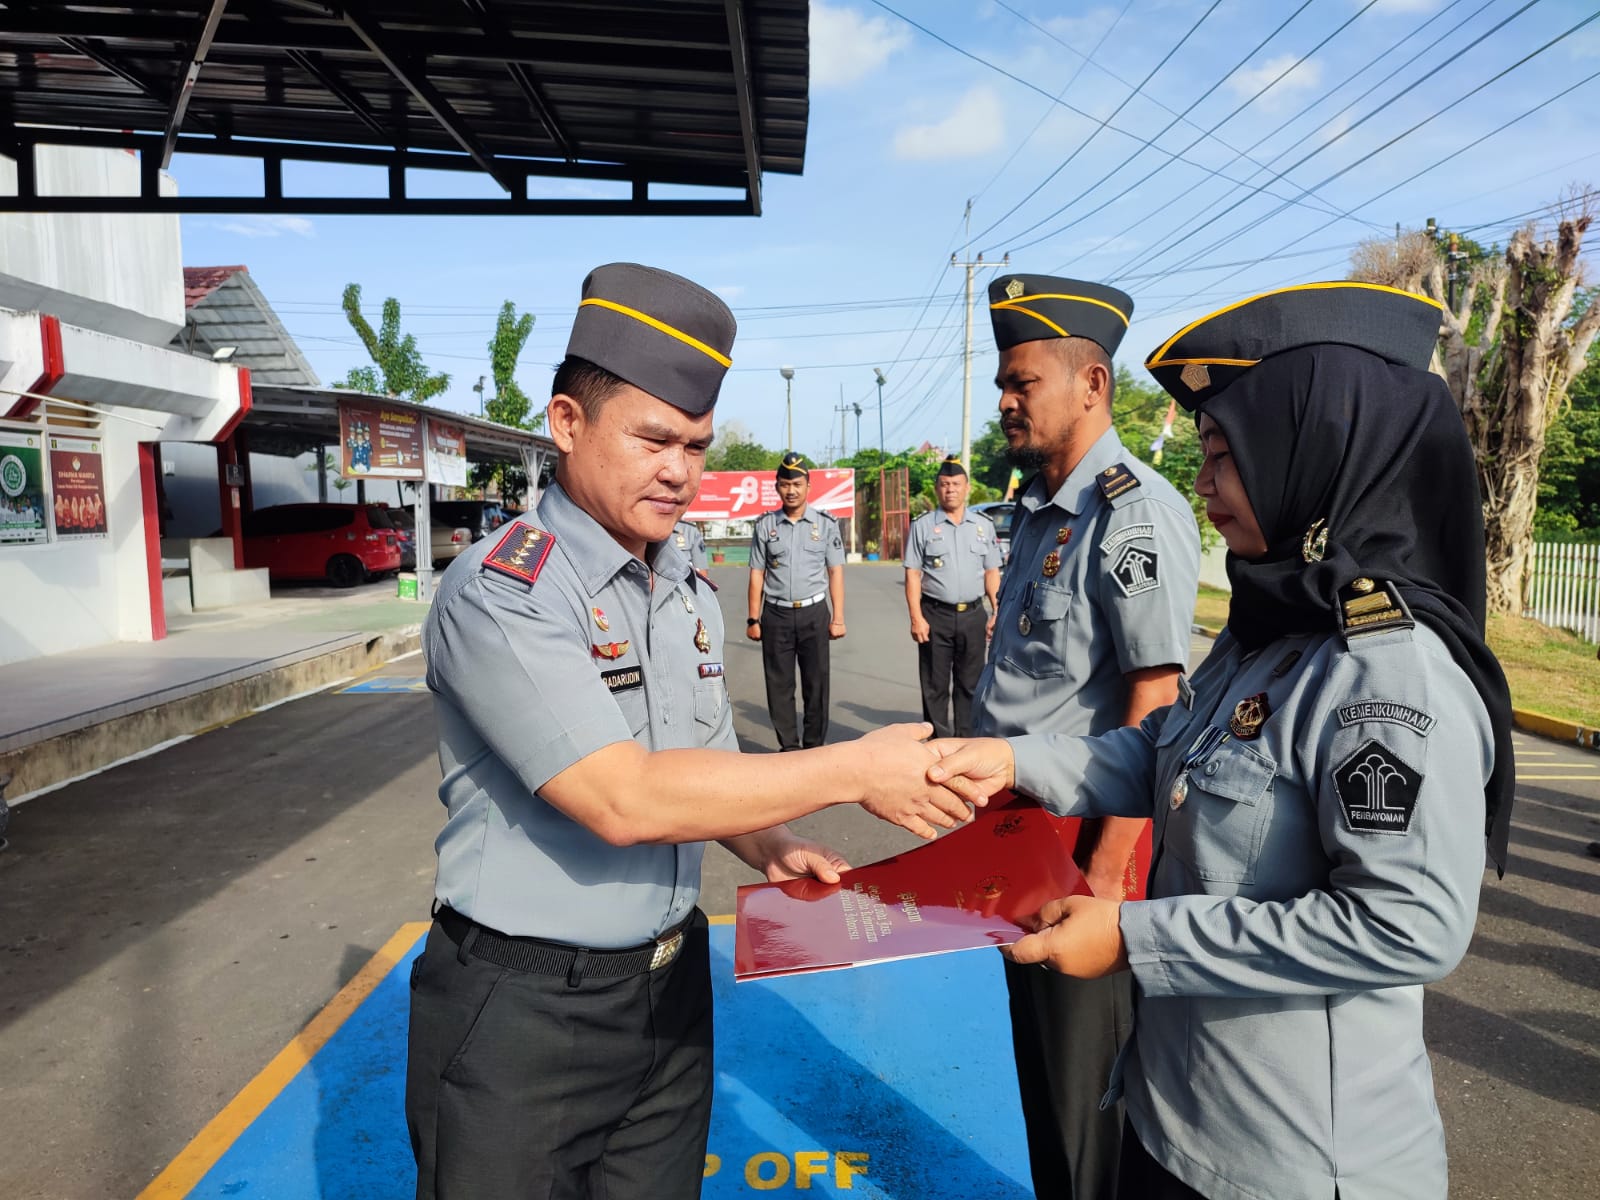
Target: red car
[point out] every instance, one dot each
(345, 544)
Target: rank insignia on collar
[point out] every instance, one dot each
(610, 649)
(600, 622)
(683, 542)
(521, 552)
(1063, 536)
(1249, 715)
(1052, 564)
(1116, 481)
(702, 637)
(1370, 607)
(688, 604)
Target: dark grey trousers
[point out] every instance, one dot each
(521, 1085)
(1065, 1033)
(791, 636)
(949, 665)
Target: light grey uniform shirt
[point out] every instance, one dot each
(1306, 883)
(691, 543)
(1121, 598)
(529, 678)
(796, 554)
(952, 557)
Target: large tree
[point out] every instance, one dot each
(398, 368)
(510, 405)
(1510, 346)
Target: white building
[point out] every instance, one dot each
(89, 383)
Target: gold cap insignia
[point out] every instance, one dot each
(1195, 376)
(1363, 585)
(1014, 289)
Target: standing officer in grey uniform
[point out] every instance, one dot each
(691, 543)
(1092, 633)
(952, 565)
(561, 1037)
(1322, 787)
(796, 604)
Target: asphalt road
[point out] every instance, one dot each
(169, 925)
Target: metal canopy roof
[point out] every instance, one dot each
(699, 92)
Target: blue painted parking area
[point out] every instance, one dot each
(892, 1081)
(387, 683)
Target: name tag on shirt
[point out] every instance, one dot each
(623, 679)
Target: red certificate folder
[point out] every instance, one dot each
(970, 888)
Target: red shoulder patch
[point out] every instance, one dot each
(706, 575)
(521, 552)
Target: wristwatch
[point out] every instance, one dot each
(751, 621)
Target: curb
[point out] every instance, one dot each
(52, 762)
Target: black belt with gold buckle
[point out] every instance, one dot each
(539, 957)
(962, 607)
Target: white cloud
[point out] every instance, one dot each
(1250, 80)
(1082, 31)
(846, 47)
(975, 126)
(728, 291)
(263, 227)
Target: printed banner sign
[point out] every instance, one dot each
(745, 495)
(377, 441)
(447, 453)
(23, 516)
(78, 484)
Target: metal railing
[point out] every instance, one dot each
(1564, 587)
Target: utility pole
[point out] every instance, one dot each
(882, 454)
(842, 410)
(966, 359)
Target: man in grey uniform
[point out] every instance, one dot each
(796, 604)
(1092, 632)
(691, 543)
(560, 1040)
(952, 565)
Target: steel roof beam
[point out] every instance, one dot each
(317, 67)
(197, 60)
(744, 98)
(522, 75)
(410, 72)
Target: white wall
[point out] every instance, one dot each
(70, 595)
(115, 273)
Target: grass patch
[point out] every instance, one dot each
(1211, 607)
(1551, 671)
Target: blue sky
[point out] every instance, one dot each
(848, 268)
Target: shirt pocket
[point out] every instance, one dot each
(1041, 652)
(710, 699)
(1217, 830)
(635, 710)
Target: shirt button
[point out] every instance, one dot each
(1211, 768)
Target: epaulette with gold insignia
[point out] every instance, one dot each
(706, 575)
(1116, 481)
(1369, 606)
(521, 552)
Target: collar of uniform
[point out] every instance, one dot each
(810, 514)
(667, 561)
(1079, 490)
(593, 553)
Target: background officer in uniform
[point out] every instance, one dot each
(1092, 632)
(560, 1039)
(691, 543)
(796, 604)
(952, 564)
(1323, 785)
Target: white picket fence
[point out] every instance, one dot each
(1564, 590)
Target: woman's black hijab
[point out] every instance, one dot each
(1378, 452)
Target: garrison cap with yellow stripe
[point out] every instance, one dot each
(1030, 308)
(658, 331)
(1204, 357)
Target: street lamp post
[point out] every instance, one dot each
(788, 402)
(878, 371)
(478, 387)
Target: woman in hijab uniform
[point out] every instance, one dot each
(1321, 790)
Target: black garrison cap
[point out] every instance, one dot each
(793, 466)
(658, 331)
(952, 466)
(1204, 357)
(1029, 308)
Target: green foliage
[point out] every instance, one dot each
(510, 404)
(1569, 470)
(1139, 409)
(400, 370)
(741, 455)
(990, 466)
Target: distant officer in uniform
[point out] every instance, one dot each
(560, 1040)
(1324, 784)
(1092, 633)
(686, 536)
(796, 604)
(952, 565)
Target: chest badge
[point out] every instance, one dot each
(1063, 535)
(1180, 790)
(1249, 715)
(600, 622)
(816, 534)
(688, 604)
(702, 637)
(1052, 564)
(610, 649)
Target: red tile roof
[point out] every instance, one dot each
(200, 282)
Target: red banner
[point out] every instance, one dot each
(79, 486)
(378, 440)
(745, 495)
